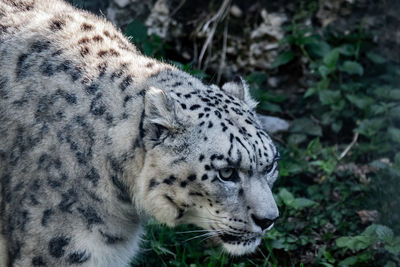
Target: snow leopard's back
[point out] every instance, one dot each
(69, 81)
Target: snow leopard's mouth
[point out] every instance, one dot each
(233, 239)
(239, 245)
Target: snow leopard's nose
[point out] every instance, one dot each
(263, 223)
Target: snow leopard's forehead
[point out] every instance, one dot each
(226, 122)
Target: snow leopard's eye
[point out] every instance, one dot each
(160, 129)
(270, 167)
(227, 174)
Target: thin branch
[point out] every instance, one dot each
(355, 138)
(181, 3)
(223, 54)
(217, 17)
(206, 44)
(221, 13)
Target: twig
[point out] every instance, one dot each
(315, 120)
(181, 3)
(355, 137)
(206, 44)
(221, 13)
(217, 17)
(223, 54)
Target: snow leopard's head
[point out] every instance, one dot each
(208, 162)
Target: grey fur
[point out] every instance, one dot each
(95, 137)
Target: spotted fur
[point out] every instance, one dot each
(95, 138)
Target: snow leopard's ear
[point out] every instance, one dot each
(239, 88)
(161, 110)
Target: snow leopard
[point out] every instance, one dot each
(96, 139)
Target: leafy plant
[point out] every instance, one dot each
(339, 157)
(350, 96)
(152, 45)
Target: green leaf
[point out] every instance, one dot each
(278, 244)
(137, 31)
(323, 84)
(394, 246)
(395, 112)
(327, 118)
(273, 97)
(257, 78)
(377, 109)
(360, 101)
(352, 67)
(268, 106)
(383, 91)
(310, 92)
(390, 264)
(348, 261)
(336, 126)
(302, 38)
(301, 203)
(283, 59)
(256, 93)
(355, 243)
(347, 49)
(318, 48)
(287, 168)
(152, 45)
(307, 126)
(370, 230)
(375, 58)
(394, 134)
(331, 58)
(394, 94)
(351, 87)
(344, 242)
(359, 242)
(324, 71)
(314, 147)
(286, 196)
(311, 39)
(327, 166)
(296, 203)
(296, 138)
(380, 165)
(328, 97)
(397, 159)
(384, 233)
(370, 127)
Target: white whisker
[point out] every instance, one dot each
(198, 231)
(210, 219)
(204, 239)
(265, 257)
(206, 234)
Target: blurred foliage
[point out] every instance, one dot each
(152, 46)
(352, 104)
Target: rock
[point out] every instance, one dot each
(112, 15)
(273, 82)
(236, 11)
(122, 3)
(132, 10)
(368, 216)
(273, 124)
(272, 26)
(159, 21)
